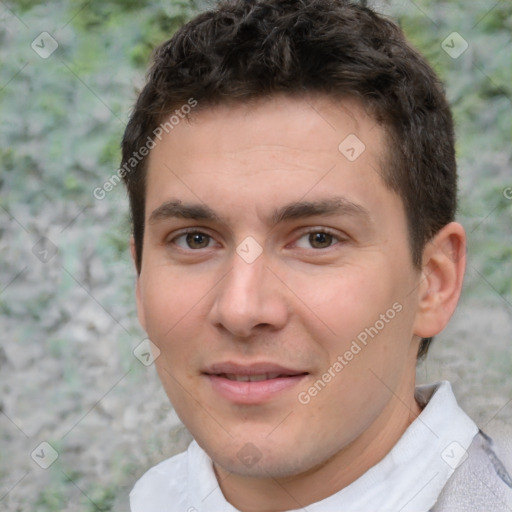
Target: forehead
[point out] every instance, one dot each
(277, 149)
(275, 118)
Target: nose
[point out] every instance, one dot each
(250, 298)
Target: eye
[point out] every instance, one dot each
(193, 240)
(318, 239)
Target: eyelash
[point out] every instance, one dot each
(326, 231)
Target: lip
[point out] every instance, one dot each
(252, 392)
(250, 369)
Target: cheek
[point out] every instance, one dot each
(170, 302)
(172, 308)
(347, 299)
(363, 312)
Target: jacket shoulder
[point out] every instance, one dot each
(482, 482)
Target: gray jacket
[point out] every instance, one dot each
(481, 483)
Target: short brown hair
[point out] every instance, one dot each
(244, 50)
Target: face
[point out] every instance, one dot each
(277, 282)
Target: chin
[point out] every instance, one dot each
(264, 459)
(264, 468)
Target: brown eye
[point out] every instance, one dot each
(192, 240)
(197, 240)
(320, 240)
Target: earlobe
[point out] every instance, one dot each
(444, 264)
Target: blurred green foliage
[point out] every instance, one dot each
(63, 118)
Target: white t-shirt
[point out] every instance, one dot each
(408, 479)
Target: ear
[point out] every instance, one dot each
(138, 293)
(443, 267)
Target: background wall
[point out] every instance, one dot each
(68, 375)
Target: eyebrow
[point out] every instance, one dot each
(176, 209)
(297, 210)
(328, 206)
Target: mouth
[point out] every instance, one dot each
(253, 383)
(255, 378)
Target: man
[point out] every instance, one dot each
(292, 182)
